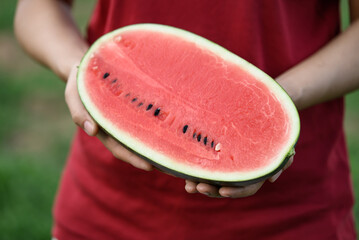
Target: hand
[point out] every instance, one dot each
(232, 192)
(82, 118)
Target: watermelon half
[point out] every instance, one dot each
(187, 105)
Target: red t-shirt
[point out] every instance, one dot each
(101, 197)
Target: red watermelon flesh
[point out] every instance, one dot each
(187, 104)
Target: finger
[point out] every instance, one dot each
(207, 189)
(120, 152)
(190, 187)
(273, 178)
(289, 163)
(240, 192)
(77, 110)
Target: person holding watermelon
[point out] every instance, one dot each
(296, 42)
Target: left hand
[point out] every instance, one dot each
(232, 192)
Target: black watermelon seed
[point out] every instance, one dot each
(205, 140)
(106, 75)
(212, 144)
(194, 135)
(199, 137)
(157, 112)
(184, 130)
(140, 104)
(115, 80)
(134, 100)
(149, 107)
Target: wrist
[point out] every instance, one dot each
(63, 66)
(293, 90)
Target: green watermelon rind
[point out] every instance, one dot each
(174, 167)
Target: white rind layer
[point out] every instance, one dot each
(142, 149)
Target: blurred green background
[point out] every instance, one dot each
(36, 132)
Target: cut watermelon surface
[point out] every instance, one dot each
(187, 105)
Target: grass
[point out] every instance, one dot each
(352, 132)
(35, 134)
(35, 138)
(36, 131)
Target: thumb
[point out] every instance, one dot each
(78, 112)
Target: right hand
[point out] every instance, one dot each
(83, 119)
(232, 192)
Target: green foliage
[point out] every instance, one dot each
(352, 132)
(344, 12)
(10, 97)
(27, 190)
(7, 11)
(34, 144)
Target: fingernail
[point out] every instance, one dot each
(275, 176)
(189, 189)
(225, 195)
(88, 127)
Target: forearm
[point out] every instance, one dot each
(330, 73)
(47, 31)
